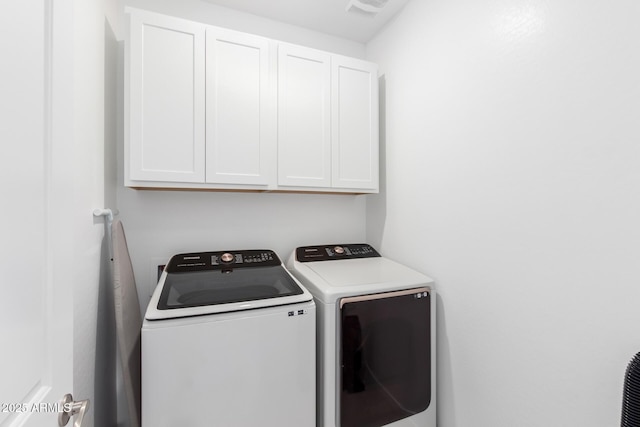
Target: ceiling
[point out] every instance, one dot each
(326, 16)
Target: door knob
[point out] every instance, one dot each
(71, 408)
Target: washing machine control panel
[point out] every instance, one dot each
(335, 252)
(220, 260)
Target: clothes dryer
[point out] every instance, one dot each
(376, 337)
(228, 340)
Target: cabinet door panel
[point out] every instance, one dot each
(304, 121)
(355, 124)
(239, 136)
(166, 128)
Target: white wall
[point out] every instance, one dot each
(159, 224)
(95, 60)
(163, 223)
(512, 177)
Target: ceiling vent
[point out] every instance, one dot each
(368, 8)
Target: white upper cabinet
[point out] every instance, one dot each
(166, 136)
(327, 121)
(240, 128)
(211, 108)
(355, 124)
(304, 117)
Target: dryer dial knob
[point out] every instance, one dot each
(339, 250)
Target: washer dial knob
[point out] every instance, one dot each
(339, 250)
(227, 257)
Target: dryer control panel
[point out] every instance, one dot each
(335, 252)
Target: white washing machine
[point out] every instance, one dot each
(228, 340)
(376, 337)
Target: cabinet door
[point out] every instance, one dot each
(240, 119)
(355, 124)
(304, 121)
(166, 99)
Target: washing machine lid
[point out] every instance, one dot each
(334, 271)
(216, 282)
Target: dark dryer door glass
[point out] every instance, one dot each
(385, 357)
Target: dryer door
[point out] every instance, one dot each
(385, 357)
